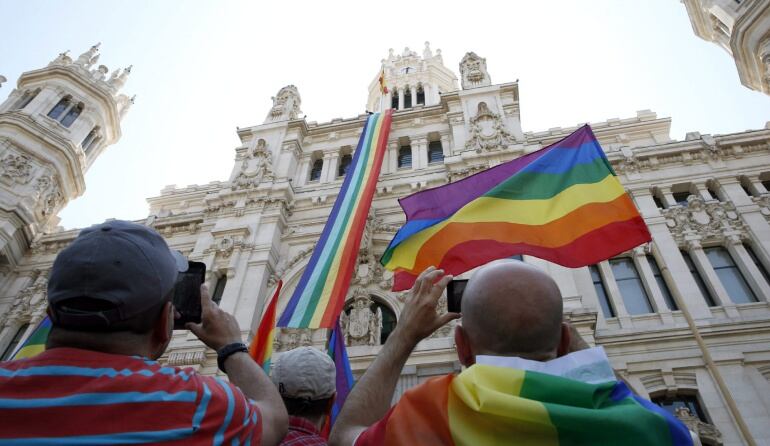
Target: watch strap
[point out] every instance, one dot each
(227, 351)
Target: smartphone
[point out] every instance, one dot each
(187, 294)
(454, 294)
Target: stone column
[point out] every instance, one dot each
(325, 167)
(303, 173)
(400, 98)
(422, 152)
(747, 267)
(388, 100)
(333, 164)
(758, 227)
(666, 196)
(427, 89)
(756, 186)
(445, 145)
(651, 285)
(392, 156)
(710, 278)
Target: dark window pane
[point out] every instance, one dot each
(394, 100)
(766, 183)
(681, 197)
(730, 275)
(405, 156)
(344, 164)
(407, 99)
(601, 292)
(745, 188)
(698, 280)
(712, 191)
(14, 342)
(435, 152)
(758, 264)
(59, 108)
(72, 115)
(662, 284)
(677, 401)
(420, 97)
(631, 288)
(388, 321)
(658, 201)
(315, 172)
(219, 289)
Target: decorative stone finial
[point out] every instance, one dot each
(427, 53)
(473, 70)
(286, 105)
(2, 79)
(118, 80)
(85, 58)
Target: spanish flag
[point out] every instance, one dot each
(383, 88)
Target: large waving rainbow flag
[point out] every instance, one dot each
(562, 203)
(489, 406)
(320, 294)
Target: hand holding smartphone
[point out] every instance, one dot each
(187, 294)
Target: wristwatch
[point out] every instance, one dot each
(228, 350)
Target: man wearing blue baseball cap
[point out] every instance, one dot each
(110, 302)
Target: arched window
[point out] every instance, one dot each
(219, 288)
(72, 115)
(59, 108)
(394, 99)
(388, 320)
(420, 99)
(405, 157)
(315, 171)
(630, 284)
(435, 152)
(89, 139)
(408, 98)
(344, 164)
(25, 99)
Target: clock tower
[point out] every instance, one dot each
(412, 80)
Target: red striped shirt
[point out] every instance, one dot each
(72, 396)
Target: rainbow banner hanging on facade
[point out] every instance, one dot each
(562, 203)
(261, 348)
(320, 294)
(35, 343)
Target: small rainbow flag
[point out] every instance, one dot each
(344, 381)
(261, 348)
(35, 343)
(562, 203)
(320, 294)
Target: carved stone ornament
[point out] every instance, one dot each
(369, 270)
(286, 105)
(362, 326)
(49, 196)
(291, 338)
(712, 220)
(487, 131)
(256, 166)
(708, 433)
(30, 304)
(16, 168)
(473, 70)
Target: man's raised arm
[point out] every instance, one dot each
(370, 398)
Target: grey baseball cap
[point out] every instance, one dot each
(305, 372)
(119, 268)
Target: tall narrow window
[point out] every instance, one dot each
(662, 285)
(405, 157)
(765, 183)
(394, 100)
(408, 98)
(657, 200)
(344, 165)
(435, 152)
(601, 292)
(631, 288)
(420, 99)
(758, 264)
(388, 321)
(219, 288)
(672, 403)
(59, 108)
(730, 276)
(712, 191)
(744, 182)
(25, 99)
(315, 171)
(86, 144)
(698, 280)
(14, 342)
(681, 197)
(72, 115)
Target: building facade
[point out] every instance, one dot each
(740, 27)
(685, 319)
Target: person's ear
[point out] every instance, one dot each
(163, 329)
(564, 342)
(463, 346)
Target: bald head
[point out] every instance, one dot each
(512, 308)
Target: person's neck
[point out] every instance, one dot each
(317, 422)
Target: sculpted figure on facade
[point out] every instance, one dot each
(49, 194)
(62, 59)
(256, 166)
(286, 105)
(362, 326)
(705, 431)
(291, 338)
(487, 131)
(89, 57)
(16, 168)
(473, 71)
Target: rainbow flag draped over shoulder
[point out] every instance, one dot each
(562, 203)
(35, 343)
(261, 348)
(492, 406)
(320, 294)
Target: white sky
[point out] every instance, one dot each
(201, 68)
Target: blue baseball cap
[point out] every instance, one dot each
(119, 268)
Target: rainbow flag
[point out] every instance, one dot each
(261, 348)
(320, 294)
(562, 203)
(344, 381)
(489, 406)
(35, 343)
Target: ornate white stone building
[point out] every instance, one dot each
(705, 200)
(740, 27)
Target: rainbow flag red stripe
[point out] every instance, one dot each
(261, 348)
(320, 294)
(562, 203)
